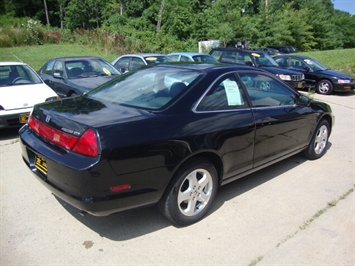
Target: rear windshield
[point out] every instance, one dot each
(151, 88)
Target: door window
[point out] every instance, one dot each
(184, 59)
(265, 91)
(48, 68)
(136, 63)
(122, 64)
(58, 68)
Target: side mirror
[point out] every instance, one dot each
(57, 75)
(304, 100)
(307, 68)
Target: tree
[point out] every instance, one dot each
(46, 11)
(344, 26)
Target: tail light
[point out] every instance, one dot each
(86, 144)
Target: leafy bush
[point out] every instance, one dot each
(33, 32)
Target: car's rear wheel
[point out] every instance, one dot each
(318, 145)
(190, 196)
(324, 87)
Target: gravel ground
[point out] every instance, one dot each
(296, 212)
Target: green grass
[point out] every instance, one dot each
(340, 60)
(35, 56)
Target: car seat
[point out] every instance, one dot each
(13, 75)
(297, 64)
(176, 88)
(75, 72)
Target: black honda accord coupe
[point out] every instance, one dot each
(169, 135)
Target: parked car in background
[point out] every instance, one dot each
(72, 76)
(129, 62)
(285, 49)
(260, 60)
(105, 151)
(269, 51)
(20, 89)
(193, 57)
(323, 79)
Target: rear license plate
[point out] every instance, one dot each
(41, 164)
(23, 118)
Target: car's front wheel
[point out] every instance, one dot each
(190, 196)
(318, 145)
(324, 87)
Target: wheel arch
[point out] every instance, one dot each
(71, 92)
(325, 78)
(212, 157)
(329, 119)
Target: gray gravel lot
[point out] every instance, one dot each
(294, 212)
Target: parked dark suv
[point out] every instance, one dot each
(260, 60)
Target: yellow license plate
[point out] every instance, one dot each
(23, 118)
(299, 85)
(41, 164)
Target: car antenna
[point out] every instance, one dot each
(16, 57)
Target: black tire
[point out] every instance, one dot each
(319, 142)
(191, 193)
(324, 87)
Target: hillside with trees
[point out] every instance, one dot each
(172, 25)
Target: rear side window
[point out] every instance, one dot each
(226, 94)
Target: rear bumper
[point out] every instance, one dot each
(14, 118)
(98, 206)
(298, 85)
(85, 182)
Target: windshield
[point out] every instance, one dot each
(150, 88)
(89, 68)
(263, 59)
(17, 75)
(314, 65)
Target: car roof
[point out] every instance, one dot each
(238, 50)
(208, 66)
(11, 63)
(76, 58)
(294, 56)
(144, 54)
(187, 53)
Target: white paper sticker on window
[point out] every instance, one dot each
(232, 92)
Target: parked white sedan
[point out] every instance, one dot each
(20, 89)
